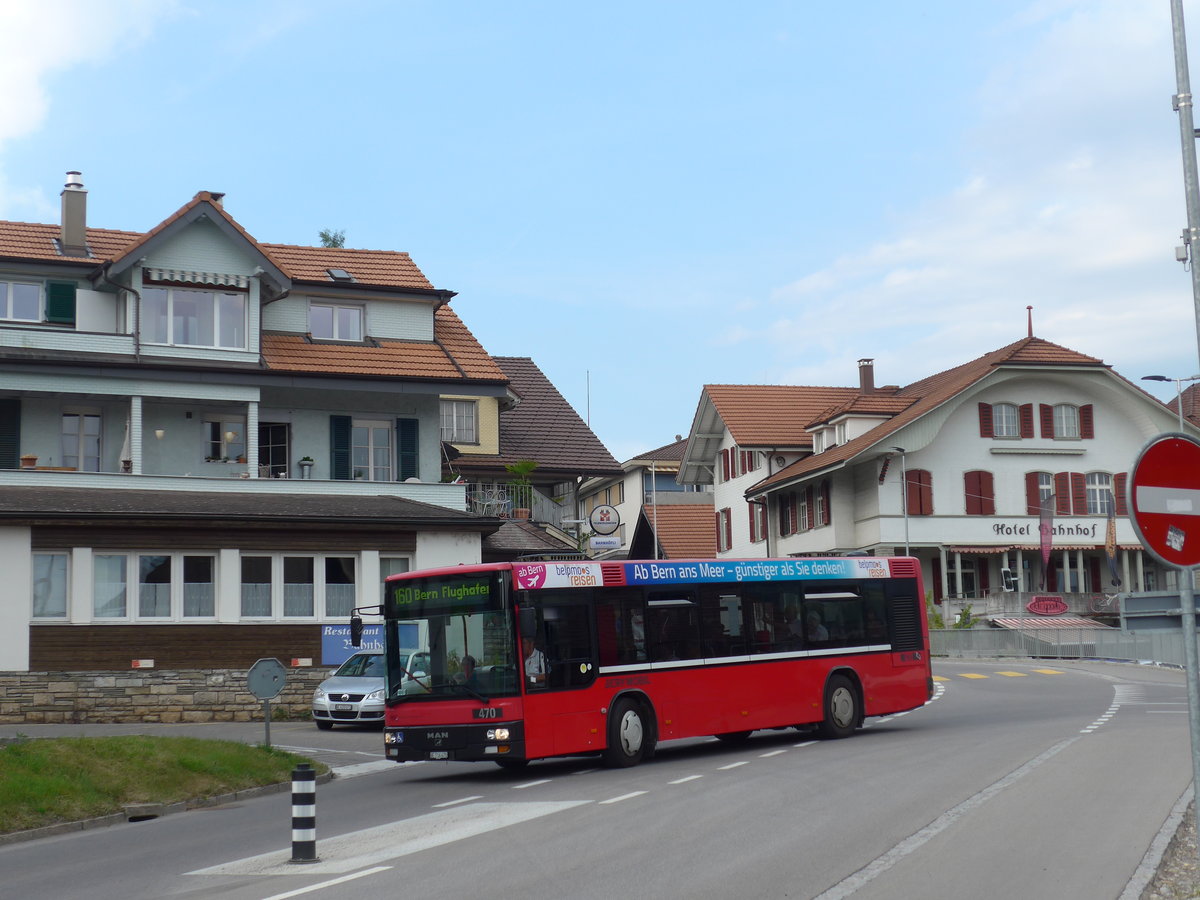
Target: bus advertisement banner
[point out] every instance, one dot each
(754, 570)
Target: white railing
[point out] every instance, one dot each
(1163, 647)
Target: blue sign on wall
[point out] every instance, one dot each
(336, 647)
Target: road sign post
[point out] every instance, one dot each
(1164, 501)
(266, 679)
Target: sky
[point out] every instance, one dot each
(647, 197)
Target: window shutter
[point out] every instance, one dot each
(920, 492)
(1062, 493)
(60, 302)
(339, 447)
(10, 433)
(985, 420)
(1047, 416)
(408, 454)
(1033, 502)
(1025, 416)
(724, 465)
(752, 521)
(826, 516)
(1122, 508)
(810, 521)
(1087, 426)
(987, 495)
(1094, 571)
(936, 568)
(985, 581)
(971, 493)
(1078, 494)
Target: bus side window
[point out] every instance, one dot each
(721, 624)
(568, 645)
(620, 626)
(674, 629)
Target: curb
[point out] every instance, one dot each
(140, 812)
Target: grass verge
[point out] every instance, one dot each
(47, 781)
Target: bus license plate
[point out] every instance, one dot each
(439, 754)
(343, 706)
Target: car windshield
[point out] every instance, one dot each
(471, 647)
(363, 665)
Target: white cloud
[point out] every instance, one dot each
(41, 39)
(1074, 205)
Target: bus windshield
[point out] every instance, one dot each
(471, 650)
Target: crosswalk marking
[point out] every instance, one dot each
(971, 675)
(1049, 671)
(1014, 674)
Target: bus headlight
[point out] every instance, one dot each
(497, 734)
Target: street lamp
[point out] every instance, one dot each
(1178, 391)
(903, 494)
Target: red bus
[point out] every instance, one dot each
(528, 660)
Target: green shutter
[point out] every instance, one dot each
(407, 449)
(10, 433)
(60, 302)
(339, 447)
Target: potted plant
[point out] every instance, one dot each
(521, 488)
(306, 463)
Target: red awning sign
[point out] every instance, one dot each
(1164, 497)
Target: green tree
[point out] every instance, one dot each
(331, 238)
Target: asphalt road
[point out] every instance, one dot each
(1021, 779)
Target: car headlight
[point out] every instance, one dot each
(375, 695)
(318, 694)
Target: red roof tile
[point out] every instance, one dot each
(685, 530)
(767, 415)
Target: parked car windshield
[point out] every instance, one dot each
(363, 665)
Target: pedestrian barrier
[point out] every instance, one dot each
(304, 814)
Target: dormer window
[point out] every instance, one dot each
(332, 322)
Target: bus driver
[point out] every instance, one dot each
(535, 663)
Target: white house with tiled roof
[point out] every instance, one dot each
(959, 469)
(212, 448)
(646, 484)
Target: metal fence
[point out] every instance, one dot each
(1058, 643)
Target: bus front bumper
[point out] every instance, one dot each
(464, 743)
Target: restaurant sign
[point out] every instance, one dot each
(1042, 605)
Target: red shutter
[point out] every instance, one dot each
(1078, 494)
(1047, 416)
(753, 521)
(985, 420)
(717, 524)
(935, 566)
(920, 492)
(987, 496)
(1087, 425)
(1094, 571)
(1119, 493)
(1033, 502)
(1025, 416)
(985, 582)
(1062, 493)
(725, 465)
(792, 524)
(826, 518)
(971, 493)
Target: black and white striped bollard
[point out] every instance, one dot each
(304, 814)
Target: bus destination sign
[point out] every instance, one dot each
(754, 570)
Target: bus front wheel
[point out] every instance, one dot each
(841, 709)
(629, 735)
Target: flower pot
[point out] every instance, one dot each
(519, 513)
(28, 461)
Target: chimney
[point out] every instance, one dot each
(866, 376)
(72, 239)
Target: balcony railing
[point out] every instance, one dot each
(505, 501)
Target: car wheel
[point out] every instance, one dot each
(629, 735)
(841, 709)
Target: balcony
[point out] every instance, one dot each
(238, 480)
(506, 501)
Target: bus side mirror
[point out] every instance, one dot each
(527, 622)
(356, 629)
(1009, 577)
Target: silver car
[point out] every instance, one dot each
(353, 695)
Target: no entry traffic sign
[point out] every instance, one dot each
(1164, 496)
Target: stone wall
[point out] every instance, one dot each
(186, 695)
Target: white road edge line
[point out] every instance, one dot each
(732, 765)
(324, 884)
(915, 841)
(529, 784)
(456, 802)
(685, 779)
(628, 796)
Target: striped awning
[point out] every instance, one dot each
(1042, 623)
(187, 276)
(1033, 548)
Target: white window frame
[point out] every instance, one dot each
(319, 584)
(455, 415)
(1006, 420)
(216, 426)
(82, 459)
(176, 588)
(363, 455)
(1100, 498)
(161, 329)
(56, 589)
(336, 325)
(8, 294)
(1066, 426)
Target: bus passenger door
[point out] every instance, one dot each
(578, 725)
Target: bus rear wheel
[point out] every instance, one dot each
(629, 735)
(841, 709)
